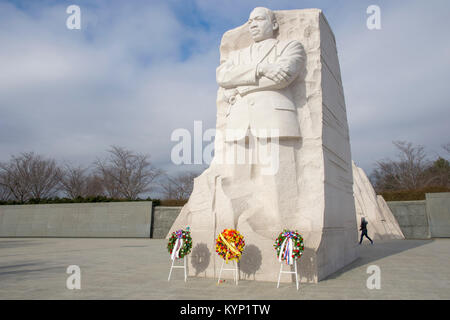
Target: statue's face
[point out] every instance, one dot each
(260, 25)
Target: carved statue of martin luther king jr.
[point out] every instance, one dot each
(257, 82)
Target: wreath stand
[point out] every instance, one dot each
(181, 267)
(289, 272)
(235, 269)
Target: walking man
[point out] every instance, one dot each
(363, 230)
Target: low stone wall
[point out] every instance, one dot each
(425, 219)
(163, 219)
(412, 218)
(106, 219)
(438, 209)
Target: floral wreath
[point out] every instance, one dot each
(180, 244)
(230, 245)
(289, 246)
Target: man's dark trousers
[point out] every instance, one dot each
(364, 233)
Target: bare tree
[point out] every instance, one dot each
(412, 170)
(109, 182)
(407, 173)
(438, 174)
(74, 181)
(30, 176)
(13, 177)
(5, 194)
(179, 187)
(126, 174)
(45, 178)
(77, 181)
(94, 186)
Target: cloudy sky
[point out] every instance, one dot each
(137, 70)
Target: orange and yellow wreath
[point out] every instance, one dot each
(230, 245)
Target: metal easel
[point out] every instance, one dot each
(235, 269)
(181, 267)
(288, 272)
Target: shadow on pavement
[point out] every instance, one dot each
(379, 250)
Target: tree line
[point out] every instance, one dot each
(413, 173)
(123, 174)
(126, 175)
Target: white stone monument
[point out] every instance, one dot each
(280, 88)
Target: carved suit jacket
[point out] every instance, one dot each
(264, 106)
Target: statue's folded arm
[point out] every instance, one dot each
(244, 79)
(229, 75)
(290, 59)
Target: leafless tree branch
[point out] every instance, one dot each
(179, 187)
(411, 171)
(30, 176)
(126, 174)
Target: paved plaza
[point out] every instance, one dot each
(35, 268)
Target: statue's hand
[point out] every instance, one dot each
(230, 95)
(273, 72)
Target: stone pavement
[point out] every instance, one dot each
(35, 268)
